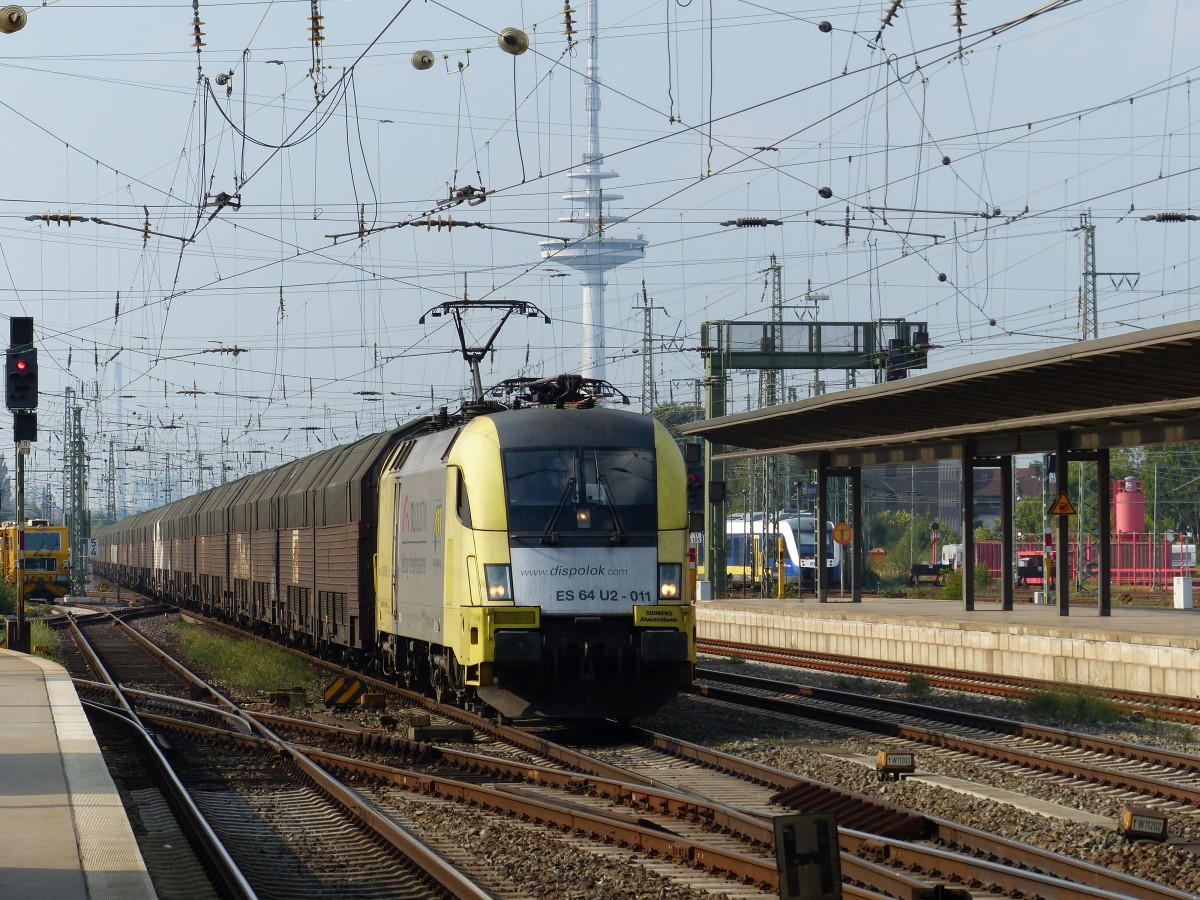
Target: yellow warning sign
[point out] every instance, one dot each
(343, 691)
(842, 533)
(1062, 506)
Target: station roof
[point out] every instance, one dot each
(1126, 390)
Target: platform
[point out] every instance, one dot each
(1149, 650)
(64, 832)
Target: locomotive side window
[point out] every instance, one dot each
(463, 505)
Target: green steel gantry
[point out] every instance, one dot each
(889, 347)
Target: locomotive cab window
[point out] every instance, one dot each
(562, 490)
(41, 540)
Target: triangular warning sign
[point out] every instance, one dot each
(1062, 506)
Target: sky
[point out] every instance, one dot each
(205, 338)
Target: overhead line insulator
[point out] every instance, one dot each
(1171, 217)
(197, 34)
(751, 222)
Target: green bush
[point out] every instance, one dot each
(1078, 704)
(918, 685)
(42, 635)
(952, 586)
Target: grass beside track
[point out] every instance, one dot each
(1074, 705)
(42, 635)
(246, 663)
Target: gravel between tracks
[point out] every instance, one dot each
(795, 745)
(528, 863)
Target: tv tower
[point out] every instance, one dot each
(596, 252)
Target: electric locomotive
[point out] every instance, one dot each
(530, 555)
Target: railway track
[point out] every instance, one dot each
(728, 803)
(1156, 774)
(264, 817)
(1176, 709)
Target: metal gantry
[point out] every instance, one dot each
(774, 345)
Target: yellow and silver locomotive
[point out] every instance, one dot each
(532, 559)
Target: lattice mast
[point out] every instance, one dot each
(68, 405)
(647, 351)
(78, 524)
(111, 508)
(1088, 316)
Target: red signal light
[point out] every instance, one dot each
(22, 365)
(693, 478)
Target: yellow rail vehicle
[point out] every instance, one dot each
(45, 559)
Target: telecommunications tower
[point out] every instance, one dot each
(596, 252)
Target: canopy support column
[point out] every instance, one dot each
(1007, 545)
(1104, 562)
(819, 577)
(968, 525)
(1062, 568)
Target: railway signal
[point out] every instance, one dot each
(693, 458)
(21, 366)
(21, 396)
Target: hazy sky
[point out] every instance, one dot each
(108, 112)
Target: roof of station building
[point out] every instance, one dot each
(1131, 389)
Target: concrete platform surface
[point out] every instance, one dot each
(1149, 650)
(63, 830)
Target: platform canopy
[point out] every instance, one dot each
(1126, 390)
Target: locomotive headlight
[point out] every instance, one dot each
(499, 581)
(670, 577)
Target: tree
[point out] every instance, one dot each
(1028, 516)
(672, 415)
(1170, 476)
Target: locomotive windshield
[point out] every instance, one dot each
(41, 540)
(611, 491)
